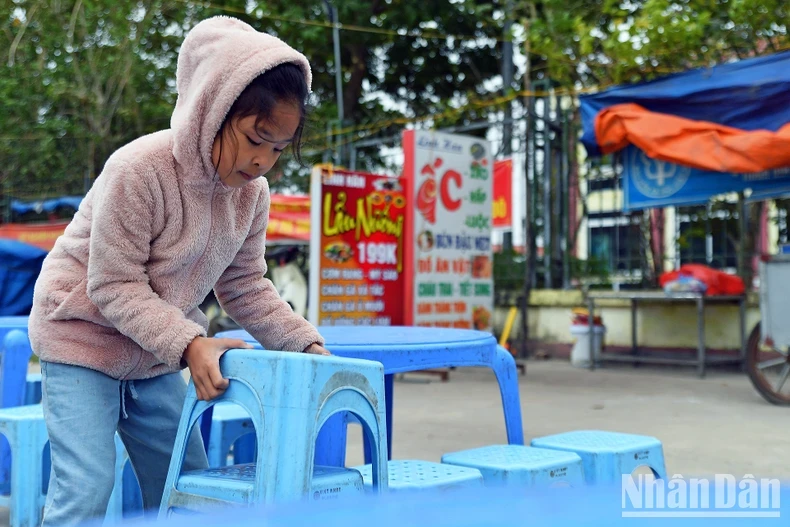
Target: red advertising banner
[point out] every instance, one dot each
(41, 235)
(502, 215)
(356, 249)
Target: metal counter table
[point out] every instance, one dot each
(701, 360)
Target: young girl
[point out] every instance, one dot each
(172, 215)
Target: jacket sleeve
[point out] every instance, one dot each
(252, 300)
(120, 243)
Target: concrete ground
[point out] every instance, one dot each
(719, 424)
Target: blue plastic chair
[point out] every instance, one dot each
(414, 476)
(25, 471)
(33, 388)
(289, 397)
(126, 498)
(13, 368)
(24, 428)
(606, 456)
(520, 465)
(9, 323)
(15, 355)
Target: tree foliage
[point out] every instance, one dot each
(601, 42)
(83, 77)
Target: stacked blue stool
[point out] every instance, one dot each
(24, 428)
(229, 423)
(23, 483)
(33, 389)
(521, 465)
(413, 475)
(23, 433)
(15, 356)
(607, 456)
(288, 396)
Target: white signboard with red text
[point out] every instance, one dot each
(450, 183)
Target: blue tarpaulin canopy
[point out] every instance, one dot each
(48, 205)
(20, 265)
(748, 95)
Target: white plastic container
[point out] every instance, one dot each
(580, 354)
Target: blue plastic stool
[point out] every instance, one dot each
(15, 355)
(521, 465)
(606, 456)
(24, 428)
(289, 396)
(229, 423)
(33, 389)
(413, 475)
(236, 483)
(115, 507)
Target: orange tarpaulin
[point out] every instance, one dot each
(41, 235)
(289, 219)
(698, 144)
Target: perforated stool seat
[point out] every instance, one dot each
(412, 475)
(606, 456)
(235, 483)
(521, 465)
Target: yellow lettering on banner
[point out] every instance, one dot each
(499, 207)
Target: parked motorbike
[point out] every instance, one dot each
(287, 271)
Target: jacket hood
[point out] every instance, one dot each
(219, 57)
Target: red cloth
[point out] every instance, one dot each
(718, 282)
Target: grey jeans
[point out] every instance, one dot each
(83, 409)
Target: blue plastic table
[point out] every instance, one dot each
(403, 349)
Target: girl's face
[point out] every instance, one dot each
(248, 153)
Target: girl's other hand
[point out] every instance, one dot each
(316, 349)
(202, 357)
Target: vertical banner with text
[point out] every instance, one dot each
(356, 249)
(450, 265)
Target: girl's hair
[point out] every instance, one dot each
(283, 83)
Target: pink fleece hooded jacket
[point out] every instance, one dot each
(119, 292)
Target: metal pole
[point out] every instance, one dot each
(701, 336)
(333, 19)
(507, 85)
(743, 227)
(528, 234)
(565, 200)
(532, 161)
(507, 80)
(547, 245)
(325, 155)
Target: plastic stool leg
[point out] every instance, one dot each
(389, 386)
(507, 376)
(26, 506)
(330, 447)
